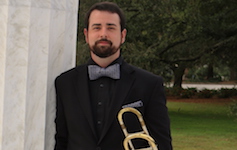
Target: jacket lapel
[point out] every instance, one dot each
(83, 95)
(122, 88)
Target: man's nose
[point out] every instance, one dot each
(103, 33)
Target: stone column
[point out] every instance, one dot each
(37, 43)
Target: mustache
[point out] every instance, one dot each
(103, 40)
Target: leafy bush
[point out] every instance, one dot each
(173, 91)
(205, 93)
(227, 93)
(188, 93)
(181, 93)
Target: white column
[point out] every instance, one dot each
(37, 43)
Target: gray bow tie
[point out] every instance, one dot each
(96, 72)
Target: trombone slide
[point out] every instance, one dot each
(129, 136)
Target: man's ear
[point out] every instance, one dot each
(123, 35)
(86, 34)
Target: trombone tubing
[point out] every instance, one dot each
(128, 136)
(141, 136)
(135, 111)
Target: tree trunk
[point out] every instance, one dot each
(233, 74)
(178, 75)
(210, 72)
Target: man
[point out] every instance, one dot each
(88, 100)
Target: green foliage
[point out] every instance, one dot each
(173, 91)
(181, 93)
(188, 93)
(199, 74)
(205, 93)
(165, 35)
(83, 53)
(227, 93)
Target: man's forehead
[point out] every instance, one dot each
(104, 16)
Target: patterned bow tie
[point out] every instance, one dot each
(96, 72)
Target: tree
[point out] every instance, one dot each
(180, 33)
(168, 36)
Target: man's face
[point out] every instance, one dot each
(104, 34)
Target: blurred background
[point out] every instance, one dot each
(181, 40)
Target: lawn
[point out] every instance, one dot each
(202, 126)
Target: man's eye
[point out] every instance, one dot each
(96, 28)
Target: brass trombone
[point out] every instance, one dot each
(142, 135)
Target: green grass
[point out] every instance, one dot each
(197, 126)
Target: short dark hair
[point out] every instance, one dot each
(106, 6)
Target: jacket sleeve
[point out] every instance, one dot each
(61, 135)
(157, 118)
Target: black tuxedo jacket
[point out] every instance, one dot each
(136, 88)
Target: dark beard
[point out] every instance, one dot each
(104, 51)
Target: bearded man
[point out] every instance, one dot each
(90, 96)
